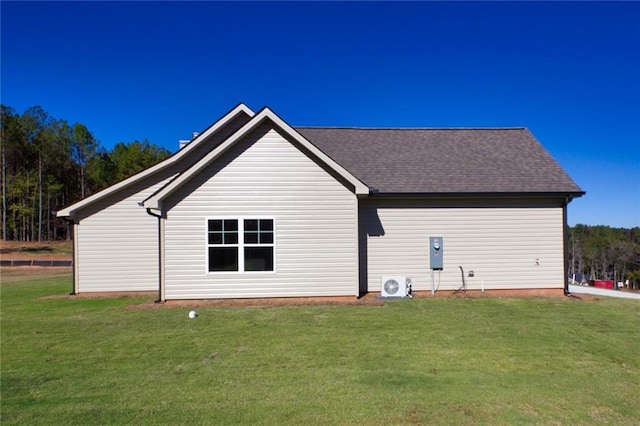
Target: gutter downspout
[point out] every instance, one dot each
(160, 255)
(74, 254)
(565, 248)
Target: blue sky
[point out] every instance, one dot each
(570, 72)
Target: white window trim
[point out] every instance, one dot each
(241, 245)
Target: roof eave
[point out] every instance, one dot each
(567, 195)
(155, 201)
(70, 211)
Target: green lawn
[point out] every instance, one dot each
(423, 361)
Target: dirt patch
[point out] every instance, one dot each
(370, 299)
(105, 295)
(35, 250)
(367, 300)
(525, 292)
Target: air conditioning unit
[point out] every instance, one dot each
(394, 286)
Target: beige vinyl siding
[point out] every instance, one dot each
(505, 247)
(117, 241)
(118, 245)
(264, 176)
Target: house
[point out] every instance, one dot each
(253, 207)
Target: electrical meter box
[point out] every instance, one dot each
(435, 253)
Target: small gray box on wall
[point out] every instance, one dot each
(436, 253)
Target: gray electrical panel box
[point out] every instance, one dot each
(435, 253)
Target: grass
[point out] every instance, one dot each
(425, 361)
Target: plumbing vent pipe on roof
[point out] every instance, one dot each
(184, 142)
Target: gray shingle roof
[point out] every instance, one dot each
(437, 161)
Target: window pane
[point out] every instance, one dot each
(231, 238)
(223, 258)
(215, 225)
(251, 225)
(258, 259)
(215, 238)
(266, 225)
(251, 238)
(230, 225)
(266, 238)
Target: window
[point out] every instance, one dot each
(237, 245)
(223, 245)
(258, 245)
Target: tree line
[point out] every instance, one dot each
(48, 163)
(602, 252)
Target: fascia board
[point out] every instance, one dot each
(359, 187)
(70, 210)
(477, 195)
(154, 202)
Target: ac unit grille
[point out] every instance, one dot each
(394, 286)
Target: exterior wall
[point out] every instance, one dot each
(264, 176)
(507, 247)
(117, 241)
(118, 245)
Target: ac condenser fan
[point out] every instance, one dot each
(391, 287)
(394, 286)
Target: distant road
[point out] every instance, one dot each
(602, 292)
